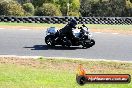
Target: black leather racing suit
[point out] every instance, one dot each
(67, 31)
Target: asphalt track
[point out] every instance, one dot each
(24, 42)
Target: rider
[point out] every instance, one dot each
(67, 30)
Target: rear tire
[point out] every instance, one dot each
(49, 40)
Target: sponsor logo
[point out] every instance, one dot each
(83, 78)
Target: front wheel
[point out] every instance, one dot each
(85, 45)
(92, 42)
(49, 40)
(88, 43)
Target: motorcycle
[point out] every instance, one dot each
(81, 36)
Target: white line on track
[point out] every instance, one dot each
(16, 56)
(2, 28)
(115, 33)
(97, 32)
(106, 33)
(63, 58)
(25, 29)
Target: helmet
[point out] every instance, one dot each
(73, 23)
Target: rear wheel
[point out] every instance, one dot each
(49, 40)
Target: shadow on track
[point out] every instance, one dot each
(45, 47)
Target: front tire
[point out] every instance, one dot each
(88, 43)
(92, 42)
(85, 45)
(49, 40)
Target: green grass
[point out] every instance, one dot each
(91, 26)
(56, 73)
